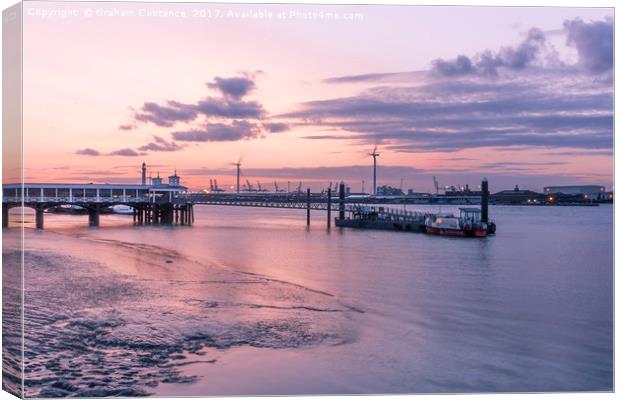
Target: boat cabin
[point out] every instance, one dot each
(471, 215)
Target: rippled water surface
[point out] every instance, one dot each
(249, 301)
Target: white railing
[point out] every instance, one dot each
(67, 199)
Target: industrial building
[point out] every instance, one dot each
(517, 196)
(594, 192)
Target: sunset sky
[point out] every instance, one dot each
(520, 95)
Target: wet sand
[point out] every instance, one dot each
(124, 319)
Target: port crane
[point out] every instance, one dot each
(329, 187)
(248, 186)
(213, 186)
(278, 190)
(216, 187)
(436, 183)
(260, 188)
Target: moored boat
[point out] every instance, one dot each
(122, 209)
(468, 224)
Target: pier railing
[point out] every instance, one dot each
(76, 199)
(314, 201)
(387, 214)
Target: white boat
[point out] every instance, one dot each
(467, 225)
(122, 209)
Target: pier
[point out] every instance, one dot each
(170, 203)
(155, 204)
(151, 204)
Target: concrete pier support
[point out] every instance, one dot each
(5, 216)
(39, 218)
(93, 217)
(167, 214)
(155, 214)
(329, 208)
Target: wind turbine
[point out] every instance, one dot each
(238, 164)
(374, 155)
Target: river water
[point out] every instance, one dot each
(250, 301)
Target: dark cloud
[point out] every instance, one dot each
(376, 77)
(218, 132)
(594, 43)
(160, 144)
(452, 159)
(496, 105)
(211, 118)
(585, 152)
(457, 113)
(168, 115)
(275, 127)
(127, 127)
(461, 65)
(526, 53)
(126, 153)
(88, 152)
(228, 108)
(513, 164)
(176, 112)
(487, 63)
(236, 87)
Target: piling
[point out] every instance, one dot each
(156, 213)
(5, 216)
(39, 218)
(308, 207)
(341, 201)
(93, 217)
(329, 208)
(484, 203)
